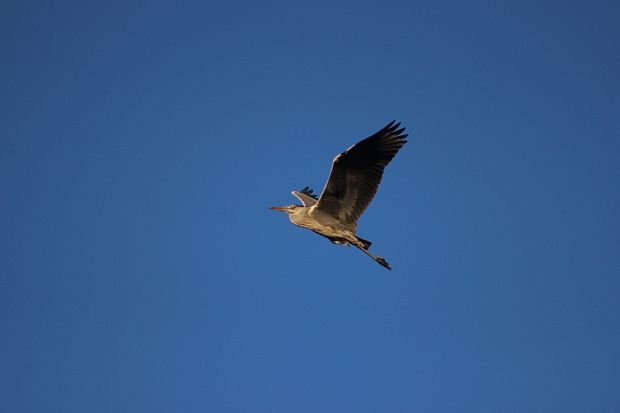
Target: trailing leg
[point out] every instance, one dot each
(362, 246)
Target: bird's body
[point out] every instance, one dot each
(309, 217)
(352, 183)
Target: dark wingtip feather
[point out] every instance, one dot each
(390, 127)
(308, 191)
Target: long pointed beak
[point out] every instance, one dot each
(281, 209)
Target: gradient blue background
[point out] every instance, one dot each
(142, 143)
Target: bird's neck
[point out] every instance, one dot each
(298, 215)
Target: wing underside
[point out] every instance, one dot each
(306, 196)
(356, 174)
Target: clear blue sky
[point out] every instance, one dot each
(143, 142)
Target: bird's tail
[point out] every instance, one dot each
(366, 243)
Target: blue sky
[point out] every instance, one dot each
(143, 142)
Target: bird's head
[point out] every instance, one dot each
(288, 209)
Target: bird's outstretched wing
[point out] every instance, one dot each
(357, 172)
(306, 196)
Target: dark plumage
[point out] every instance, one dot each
(357, 172)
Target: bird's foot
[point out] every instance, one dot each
(383, 262)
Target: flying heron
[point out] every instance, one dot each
(352, 183)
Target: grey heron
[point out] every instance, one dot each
(353, 181)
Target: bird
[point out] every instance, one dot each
(353, 181)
